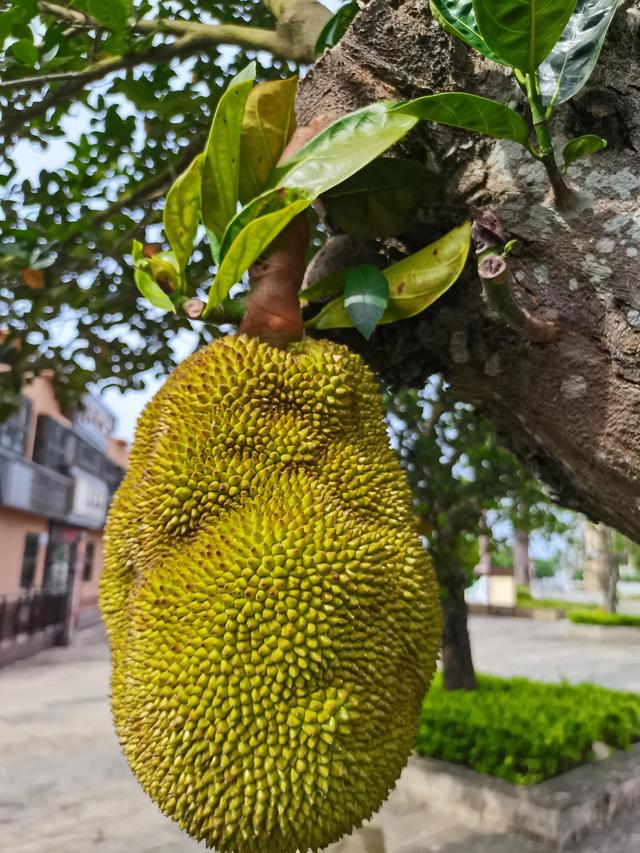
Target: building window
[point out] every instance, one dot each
(87, 570)
(29, 560)
(13, 431)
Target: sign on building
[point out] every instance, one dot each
(93, 421)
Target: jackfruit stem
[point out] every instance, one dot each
(273, 311)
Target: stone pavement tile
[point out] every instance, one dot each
(366, 840)
(621, 836)
(468, 840)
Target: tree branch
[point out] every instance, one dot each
(298, 25)
(153, 188)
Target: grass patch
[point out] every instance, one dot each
(600, 617)
(525, 731)
(525, 600)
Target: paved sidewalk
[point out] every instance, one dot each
(64, 787)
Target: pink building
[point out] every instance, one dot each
(58, 473)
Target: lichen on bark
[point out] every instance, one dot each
(579, 269)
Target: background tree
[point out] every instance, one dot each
(458, 473)
(569, 405)
(133, 89)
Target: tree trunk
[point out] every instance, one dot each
(609, 569)
(521, 562)
(569, 408)
(457, 662)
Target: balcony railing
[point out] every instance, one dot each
(27, 613)
(32, 487)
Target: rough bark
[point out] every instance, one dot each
(521, 561)
(457, 663)
(570, 408)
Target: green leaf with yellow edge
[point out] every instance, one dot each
(582, 146)
(152, 291)
(268, 124)
(414, 283)
(221, 168)
(249, 234)
(182, 214)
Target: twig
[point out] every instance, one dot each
(494, 275)
(490, 238)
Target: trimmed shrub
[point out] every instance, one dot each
(600, 617)
(525, 731)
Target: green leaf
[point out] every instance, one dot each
(571, 62)
(341, 149)
(113, 14)
(366, 295)
(458, 18)
(221, 169)
(522, 32)
(414, 283)
(152, 291)
(326, 288)
(582, 146)
(328, 159)
(182, 213)
(250, 233)
(214, 246)
(378, 201)
(268, 124)
(470, 112)
(336, 27)
(25, 52)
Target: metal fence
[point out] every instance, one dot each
(28, 613)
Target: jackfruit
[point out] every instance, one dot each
(273, 618)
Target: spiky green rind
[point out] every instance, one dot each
(272, 615)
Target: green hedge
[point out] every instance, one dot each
(600, 617)
(525, 731)
(527, 601)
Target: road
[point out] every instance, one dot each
(65, 788)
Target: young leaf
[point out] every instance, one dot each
(268, 124)
(522, 32)
(414, 283)
(582, 146)
(458, 18)
(378, 201)
(469, 112)
(336, 27)
(113, 14)
(152, 291)
(182, 213)
(571, 62)
(366, 295)
(249, 234)
(221, 168)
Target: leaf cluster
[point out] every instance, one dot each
(525, 731)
